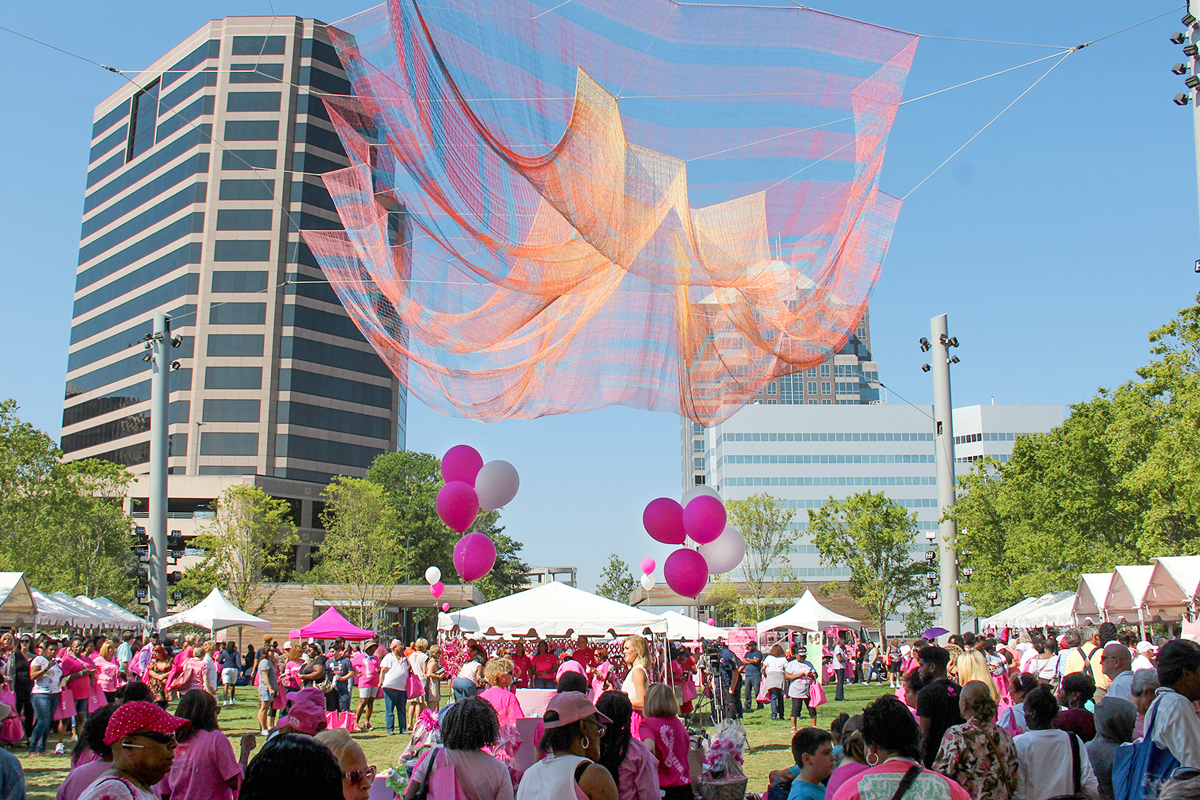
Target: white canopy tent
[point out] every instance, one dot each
(88, 615)
(682, 627)
(1174, 585)
(1058, 613)
(553, 609)
(132, 620)
(1127, 589)
(1091, 594)
(1011, 617)
(809, 615)
(214, 613)
(51, 612)
(17, 606)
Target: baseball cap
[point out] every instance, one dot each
(1144, 647)
(572, 707)
(141, 716)
(307, 711)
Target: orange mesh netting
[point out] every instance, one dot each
(554, 208)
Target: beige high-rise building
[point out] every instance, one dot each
(200, 178)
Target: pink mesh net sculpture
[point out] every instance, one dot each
(554, 207)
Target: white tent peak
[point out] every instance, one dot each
(553, 609)
(214, 613)
(17, 605)
(808, 614)
(680, 626)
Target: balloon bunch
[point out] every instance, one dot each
(470, 486)
(433, 576)
(701, 517)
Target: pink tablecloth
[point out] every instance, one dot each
(534, 701)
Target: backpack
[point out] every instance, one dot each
(1140, 769)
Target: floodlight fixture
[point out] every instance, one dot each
(1191, 50)
(1178, 37)
(924, 368)
(1180, 68)
(1183, 99)
(953, 360)
(924, 345)
(1192, 82)
(1188, 20)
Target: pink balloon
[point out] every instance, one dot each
(437, 589)
(445, 606)
(704, 519)
(461, 463)
(686, 572)
(457, 505)
(648, 566)
(663, 519)
(474, 556)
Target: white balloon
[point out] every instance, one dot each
(647, 582)
(725, 552)
(496, 484)
(433, 575)
(700, 491)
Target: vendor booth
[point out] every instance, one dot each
(553, 609)
(1089, 597)
(17, 606)
(807, 615)
(332, 625)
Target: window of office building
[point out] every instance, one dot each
(231, 411)
(258, 45)
(235, 345)
(247, 189)
(824, 370)
(239, 281)
(228, 444)
(812, 386)
(698, 445)
(233, 378)
(824, 387)
(237, 314)
(143, 120)
(244, 219)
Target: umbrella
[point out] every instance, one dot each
(933, 633)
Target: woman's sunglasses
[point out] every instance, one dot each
(154, 736)
(359, 775)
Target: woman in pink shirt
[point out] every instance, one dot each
(665, 737)
(108, 672)
(204, 766)
(77, 676)
(366, 677)
(498, 674)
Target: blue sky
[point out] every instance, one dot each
(1054, 241)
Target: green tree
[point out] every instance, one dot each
(872, 536)
(360, 551)
(509, 574)
(618, 580)
(766, 525)
(251, 539)
(28, 458)
(89, 529)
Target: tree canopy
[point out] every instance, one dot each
(1117, 483)
(872, 536)
(617, 581)
(768, 582)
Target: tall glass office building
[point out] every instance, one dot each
(199, 180)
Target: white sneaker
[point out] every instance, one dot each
(59, 750)
(264, 733)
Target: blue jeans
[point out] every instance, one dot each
(753, 682)
(43, 709)
(464, 688)
(542, 683)
(397, 700)
(841, 684)
(776, 698)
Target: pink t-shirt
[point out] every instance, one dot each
(203, 763)
(71, 665)
(107, 674)
(570, 665)
(842, 774)
(670, 746)
(508, 708)
(80, 778)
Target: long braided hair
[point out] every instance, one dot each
(614, 745)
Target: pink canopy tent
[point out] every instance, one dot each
(331, 625)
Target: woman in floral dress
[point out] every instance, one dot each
(979, 755)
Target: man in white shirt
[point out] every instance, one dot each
(1171, 719)
(393, 680)
(1144, 651)
(1046, 761)
(839, 669)
(1115, 665)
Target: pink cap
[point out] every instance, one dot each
(572, 707)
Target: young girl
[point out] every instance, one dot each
(665, 737)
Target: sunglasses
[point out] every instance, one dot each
(1185, 773)
(155, 736)
(360, 775)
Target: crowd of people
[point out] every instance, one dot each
(1033, 718)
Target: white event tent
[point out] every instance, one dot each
(809, 615)
(130, 619)
(53, 613)
(214, 613)
(1034, 612)
(1091, 594)
(1126, 591)
(17, 606)
(92, 617)
(682, 627)
(1174, 585)
(553, 609)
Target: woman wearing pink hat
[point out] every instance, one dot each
(142, 738)
(573, 731)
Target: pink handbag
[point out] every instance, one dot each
(816, 695)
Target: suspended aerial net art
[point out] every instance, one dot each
(558, 206)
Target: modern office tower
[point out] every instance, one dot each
(850, 377)
(200, 177)
(805, 456)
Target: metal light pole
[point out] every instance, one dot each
(943, 437)
(160, 371)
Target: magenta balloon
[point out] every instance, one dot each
(648, 566)
(437, 590)
(457, 505)
(712, 621)
(474, 556)
(663, 519)
(704, 519)
(461, 463)
(445, 606)
(686, 572)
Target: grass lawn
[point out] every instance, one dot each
(770, 741)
